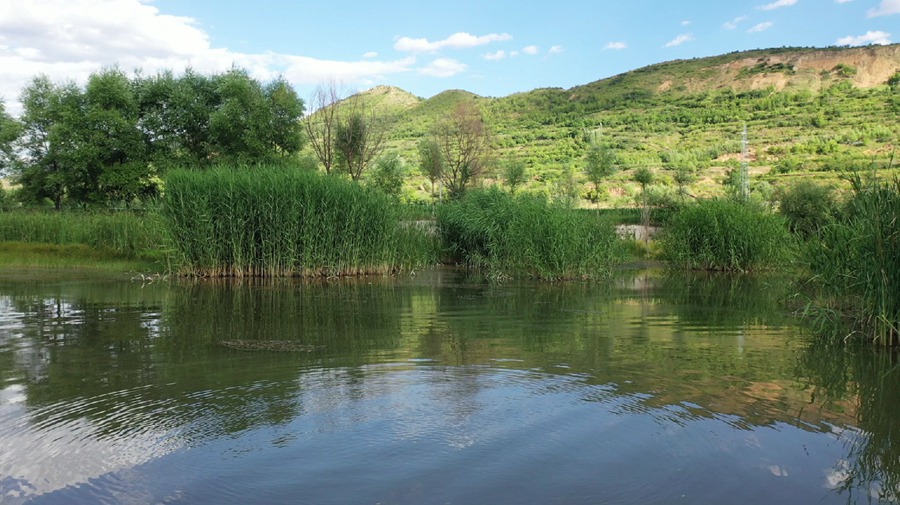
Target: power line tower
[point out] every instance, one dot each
(745, 167)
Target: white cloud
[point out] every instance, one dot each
(681, 39)
(370, 54)
(555, 49)
(616, 45)
(777, 4)
(496, 55)
(70, 39)
(761, 27)
(733, 24)
(842, 1)
(530, 49)
(876, 37)
(443, 67)
(513, 53)
(459, 40)
(885, 8)
(686, 22)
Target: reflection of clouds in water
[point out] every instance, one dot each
(778, 471)
(839, 475)
(42, 456)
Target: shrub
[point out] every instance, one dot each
(807, 206)
(526, 235)
(723, 234)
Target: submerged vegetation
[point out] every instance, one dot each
(526, 235)
(266, 221)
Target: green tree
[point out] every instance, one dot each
(684, 177)
(430, 163)
(388, 174)
(644, 176)
(10, 130)
(600, 161)
(514, 174)
(359, 139)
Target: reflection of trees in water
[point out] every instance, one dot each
(865, 382)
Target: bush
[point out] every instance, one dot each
(723, 234)
(807, 206)
(526, 235)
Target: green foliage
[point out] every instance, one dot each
(388, 175)
(856, 262)
(267, 222)
(844, 70)
(514, 174)
(525, 235)
(894, 80)
(808, 206)
(600, 162)
(722, 234)
(126, 234)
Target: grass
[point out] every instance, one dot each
(856, 261)
(726, 235)
(525, 235)
(277, 221)
(74, 257)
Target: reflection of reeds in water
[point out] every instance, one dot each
(857, 261)
(270, 222)
(867, 379)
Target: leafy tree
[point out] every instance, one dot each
(684, 177)
(430, 163)
(514, 174)
(644, 176)
(894, 80)
(464, 143)
(359, 138)
(388, 174)
(600, 161)
(10, 130)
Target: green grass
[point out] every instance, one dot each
(856, 261)
(723, 234)
(119, 235)
(277, 221)
(525, 235)
(16, 255)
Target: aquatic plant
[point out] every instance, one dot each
(277, 221)
(723, 234)
(856, 261)
(526, 235)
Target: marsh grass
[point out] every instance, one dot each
(127, 235)
(74, 257)
(856, 261)
(726, 235)
(278, 221)
(525, 235)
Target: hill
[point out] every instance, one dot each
(808, 111)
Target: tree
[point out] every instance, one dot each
(600, 161)
(359, 138)
(388, 175)
(321, 123)
(644, 176)
(464, 143)
(10, 130)
(684, 177)
(514, 174)
(430, 163)
(46, 146)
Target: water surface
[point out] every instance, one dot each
(433, 389)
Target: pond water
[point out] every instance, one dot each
(434, 389)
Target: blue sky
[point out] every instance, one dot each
(490, 48)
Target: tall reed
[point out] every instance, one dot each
(278, 221)
(856, 261)
(525, 235)
(126, 234)
(724, 234)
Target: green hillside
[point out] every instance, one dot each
(809, 112)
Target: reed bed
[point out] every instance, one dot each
(125, 234)
(525, 235)
(726, 235)
(277, 221)
(856, 260)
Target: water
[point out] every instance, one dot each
(433, 389)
